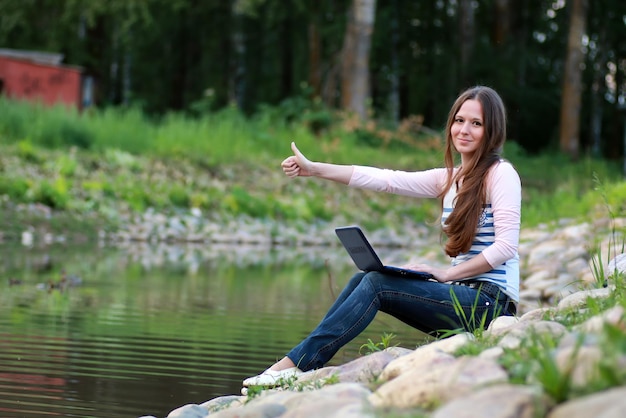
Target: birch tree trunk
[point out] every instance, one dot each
(569, 131)
(355, 80)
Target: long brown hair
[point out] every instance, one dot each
(460, 226)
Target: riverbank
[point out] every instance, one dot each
(562, 359)
(555, 259)
(549, 361)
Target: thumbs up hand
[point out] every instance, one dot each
(297, 164)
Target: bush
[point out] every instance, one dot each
(14, 188)
(53, 194)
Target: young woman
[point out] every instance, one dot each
(481, 200)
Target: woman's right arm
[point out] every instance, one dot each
(299, 165)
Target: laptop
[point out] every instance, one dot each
(366, 259)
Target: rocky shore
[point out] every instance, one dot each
(463, 376)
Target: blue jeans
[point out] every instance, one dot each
(425, 305)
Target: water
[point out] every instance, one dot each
(148, 329)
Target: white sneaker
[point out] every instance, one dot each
(270, 378)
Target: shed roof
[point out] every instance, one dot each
(40, 57)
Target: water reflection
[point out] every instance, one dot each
(152, 328)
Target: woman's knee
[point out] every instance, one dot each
(356, 279)
(375, 280)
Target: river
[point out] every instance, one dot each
(88, 331)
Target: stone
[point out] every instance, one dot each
(499, 401)
(493, 353)
(364, 369)
(546, 251)
(540, 280)
(428, 386)
(323, 402)
(436, 352)
(580, 363)
(501, 323)
(524, 328)
(613, 316)
(617, 264)
(264, 410)
(537, 314)
(608, 404)
(189, 411)
(223, 402)
(579, 299)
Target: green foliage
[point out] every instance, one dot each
(179, 197)
(292, 384)
(67, 165)
(384, 343)
(51, 193)
(473, 322)
(157, 157)
(27, 151)
(534, 362)
(14, 188)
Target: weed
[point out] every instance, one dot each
(534, 362)
(474, 323)
(292, 384)
(372, 347)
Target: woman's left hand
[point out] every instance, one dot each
(439, 274)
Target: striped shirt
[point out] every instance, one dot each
(497, 234)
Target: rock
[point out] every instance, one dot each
(608, 404)
(540, 280)
(501, 401)
(502, 323)
(364, 369)
(536, 314)
(524, 328)
(618, 264)
(437, 352)
(428, 386)
(266, 410)
(613, 316)
(579, 299)
(189, 411)
(549, 250)
(579, 363)
(223, 402)
(324, 402)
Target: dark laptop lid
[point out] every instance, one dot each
(359, 248)
(366, 259)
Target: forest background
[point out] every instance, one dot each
(189, 89)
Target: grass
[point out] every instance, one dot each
(371, 347)
(225, 162)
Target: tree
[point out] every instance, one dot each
(572, 82)
(355, 77)
(467, 35)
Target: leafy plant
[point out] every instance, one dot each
(292, 384)
(534, 361)
(473, 323)
(53, 194)
(384, 343)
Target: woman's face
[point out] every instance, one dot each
(468, 129)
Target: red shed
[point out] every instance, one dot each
(41, 76)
